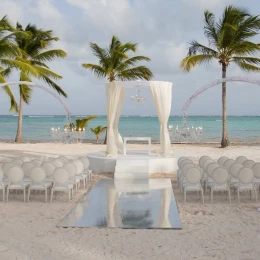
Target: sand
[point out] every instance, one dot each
(210, 231)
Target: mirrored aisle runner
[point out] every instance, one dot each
(144, 204)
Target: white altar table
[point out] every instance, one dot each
(148, 139)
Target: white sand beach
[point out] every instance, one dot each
(210, 231)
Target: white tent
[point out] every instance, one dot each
(115, 92)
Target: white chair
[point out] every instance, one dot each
(38, 182)
(16, 182)
(241, 159)
(233, 171)
(3, 184)
(87, 173)
(72, 171)
(256, 171)
(228, 163)
(180, 160)
(249, 164)
(49, 171)
(246, 182)
(80, 169)
(57, 163)
(17, 162)
(192, 182)
(36, 162)
(61, 182)
(202, 160)
(222, 160)
(63, 159)
(208, 171)
(6, 166)
(220, 182)
(25, 159)
(179, 166)
(27, 167)
(184, 169)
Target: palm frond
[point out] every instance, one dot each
(250, 60)
(25, 91)
(140, 72)
(196, 47)
(46, 72)
(7, 90)
(96, 69)
(54, 85)
(209, 28)
(248, 67)
(100, 53)
(49, 55)
(83, 123)
(191, 61)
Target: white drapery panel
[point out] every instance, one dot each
(162, 96)
(115, 93)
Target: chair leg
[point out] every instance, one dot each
(238, 199)
(229, 196)
(29, 191)
(51, 194)
(24, 195)
(4, 194)
(84, 184)
(256, 197)
(211, 195)
(46, 195)
(7, 194)
(69, 196)
(184, 193)
(202, 196)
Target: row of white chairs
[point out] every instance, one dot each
(57, 174)
(240, 174)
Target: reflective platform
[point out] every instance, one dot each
(143, 204)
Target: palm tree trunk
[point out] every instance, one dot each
(224, 141)
(97, 139)
(19, 134)
(105, 141)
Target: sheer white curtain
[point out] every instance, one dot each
(162, 96)
(115, 92)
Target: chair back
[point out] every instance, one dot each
(61, 176)
(211, 167)
(228, 163)
(193, 175)
(63, 159)
(222, 160)
(185, 161)
(234, 169)
(206, 163)
(57, 163)
(180, 160)
(36, 162)
(49, 168)
(220, 175)
(241, 159)
(27, 167)
(79, 165)
(37, 175)
(85, 162)
(1, 176)
(15, 175)
(245, 175)
(249, 164)
(256, 170)
(17, 162)
(202, 160)
(71, 169)
(25, 159)
(6, 166)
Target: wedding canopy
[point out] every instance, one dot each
(115, 92)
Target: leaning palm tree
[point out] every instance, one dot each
(114, 62)
(8, 51)
(35, 51)
(229, 42)
(97, 131)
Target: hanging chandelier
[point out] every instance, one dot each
(138, 98)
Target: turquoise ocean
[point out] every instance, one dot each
(37, 128)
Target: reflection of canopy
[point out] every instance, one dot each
(162, 96)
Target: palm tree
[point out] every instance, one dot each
(35, 52)
(8, 51)
(229, 42)
(114, 63)
(97, 131)
(80, 123)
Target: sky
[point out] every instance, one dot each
(162, 29)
